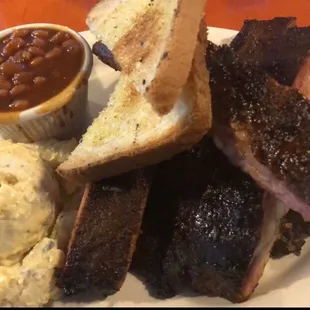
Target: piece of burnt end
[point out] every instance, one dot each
(293, 234)
(105, 55)
(278, 47)
(254, 34)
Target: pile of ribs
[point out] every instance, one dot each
(210, 218)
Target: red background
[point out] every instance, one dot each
(220, 13)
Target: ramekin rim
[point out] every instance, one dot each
(61, 99)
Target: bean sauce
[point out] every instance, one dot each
(35, 65)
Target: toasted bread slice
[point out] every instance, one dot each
(153, 41)
(105, 233)
(129, 134)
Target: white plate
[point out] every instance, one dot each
(286, 282)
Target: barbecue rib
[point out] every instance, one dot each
(206, 226)
(264, 43)
(105, 233)
(278, 47)
(262, 127)
(254, 34)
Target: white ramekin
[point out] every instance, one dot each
(63, 116)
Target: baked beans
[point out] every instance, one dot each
(20, 33)
(53, 53)
(22, 78)
(5, 84)
(38, 42)
(38, 80)
(35, 65)
(36, 51)
(19, 89)
(4, 93)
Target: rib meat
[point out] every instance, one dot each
(278, 47)
(293, 234)
(206, 225)
(302, 80)
(270, 45)
(105, 233)
(251, 40)
(262, 127)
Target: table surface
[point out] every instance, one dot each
(220, 13)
